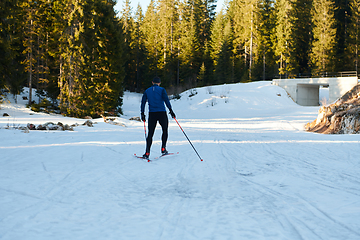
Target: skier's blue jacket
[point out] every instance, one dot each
(156, 96)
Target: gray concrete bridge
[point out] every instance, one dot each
(305, 91)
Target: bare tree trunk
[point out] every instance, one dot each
(251, 44)
(264, 66)
(61, 81)
(178, 67)
(245, 57)
(30, 63)
(251, 53)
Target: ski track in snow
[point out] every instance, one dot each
(262, 177)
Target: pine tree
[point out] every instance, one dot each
(139, 48)
(69, 48)
(72, 55)
(98, 72)
(246, 24)
(284, 37)
(324, 36)
(209, 15)
(104, 53)
(129, 48)
(168, 37)
(354, 35)
(54, 27)
(12, 74)
(189, 46)
(42, 27)
(342, 21)
(150, 29)
(30, 9)
(222, 35)
(302, 37)
(203, 13)
(217, 37)
(265, 64)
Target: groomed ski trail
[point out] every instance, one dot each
(262, 176)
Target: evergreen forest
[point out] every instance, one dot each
(83, 55)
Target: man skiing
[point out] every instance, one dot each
(156, 96)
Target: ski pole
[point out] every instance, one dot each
(145, 129)
(188, 140)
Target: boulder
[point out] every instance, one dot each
(88, 123)
(31, 126)
(41, 127)
(135, 119)
(50, 126)
(68, 128)
(60, 124)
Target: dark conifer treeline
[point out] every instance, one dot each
(83, 56)
(187, 45)
(69, 49)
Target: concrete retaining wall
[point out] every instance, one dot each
(305, 91)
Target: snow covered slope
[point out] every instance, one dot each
(263, 176)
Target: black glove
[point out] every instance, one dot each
(172, 113)
(143, 117)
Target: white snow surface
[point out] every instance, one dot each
(263, 176)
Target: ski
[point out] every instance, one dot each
(141, 157)
(150, 160)
(167, 154)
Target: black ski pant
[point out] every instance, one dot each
(155, 117)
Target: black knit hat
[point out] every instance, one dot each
(156, 80)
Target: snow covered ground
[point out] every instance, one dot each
(263, 176)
